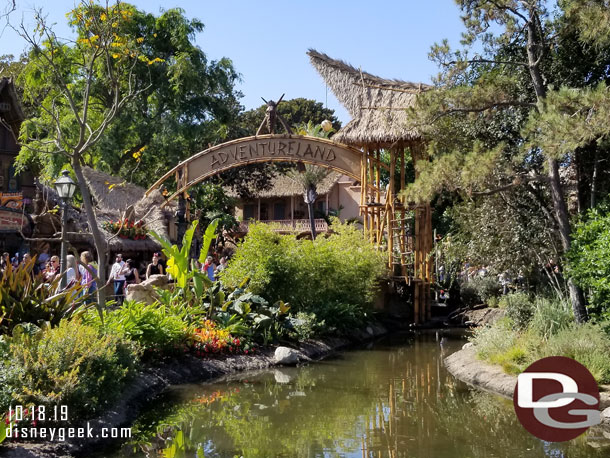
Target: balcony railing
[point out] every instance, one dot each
(287, 225)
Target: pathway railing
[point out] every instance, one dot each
(287, 225)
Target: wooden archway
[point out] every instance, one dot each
(263, 148)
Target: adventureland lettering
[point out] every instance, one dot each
(253, 150)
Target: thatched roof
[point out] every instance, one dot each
(114, 196)
(377, 106)
(284, 186)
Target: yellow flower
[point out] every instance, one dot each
(103, 17)
(115, 55)
(140, 40)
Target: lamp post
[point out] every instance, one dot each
(65, 188)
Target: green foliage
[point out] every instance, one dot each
(520, 309)
(551, 316)
(541, 327)
(305, 326)
(504, 231)
(155, 328)
(589, 260)
(71, 364)
(250, 315)
(25, 298)
(588, 344)
(334, 277)
(487, 287)
(190, 281)
(469, 295)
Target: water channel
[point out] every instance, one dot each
(389, 399)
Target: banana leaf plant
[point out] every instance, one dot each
(26, 298)
(192, 283)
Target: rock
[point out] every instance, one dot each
(141, 293)
(145, 291)
(157, 280)
(281, 377)
(606, 414)
(370, 331)
(467, 345)
(285, 355)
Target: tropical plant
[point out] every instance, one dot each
(158, 330)
(191, 282)
(25, 298)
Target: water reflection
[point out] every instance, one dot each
(394, 399)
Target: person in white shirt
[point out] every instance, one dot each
(117, 274)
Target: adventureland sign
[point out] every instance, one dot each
(273, 148)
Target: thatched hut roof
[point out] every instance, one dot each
(284, 186)
(114, 196)
(377, 105)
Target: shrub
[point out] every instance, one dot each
(334, 277)
(71, 364)
(154, 327)
(486, 287)
(519, 308)
(469, 295)
(589, 260)
(305, 326)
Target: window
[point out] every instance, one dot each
(279, 210)
(320, 206)
(249, 210)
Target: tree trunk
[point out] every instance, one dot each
(594, 179)
(535, 51)
(98, 239)
(312, 221)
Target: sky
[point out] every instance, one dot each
(267, 39)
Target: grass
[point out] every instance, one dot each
(539, 328)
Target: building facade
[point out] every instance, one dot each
(17, 190)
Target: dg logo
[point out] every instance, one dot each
(556, 399)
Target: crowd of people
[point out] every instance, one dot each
(122, 272)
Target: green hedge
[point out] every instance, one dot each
(335, 277)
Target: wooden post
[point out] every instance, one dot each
(391, 215)
(371, 155)
(327, 203)
(292, 211)
(259, 209)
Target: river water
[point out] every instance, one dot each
(390, 399)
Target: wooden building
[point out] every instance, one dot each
(283, 205)
(17, 190)
(379, 125)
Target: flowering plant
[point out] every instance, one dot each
(210, 339)
(126, 229)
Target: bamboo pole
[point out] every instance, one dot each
(402, 235)
(391, 215)
(371, 154)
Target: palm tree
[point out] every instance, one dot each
(309, 177)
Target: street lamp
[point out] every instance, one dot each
(65, 188)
